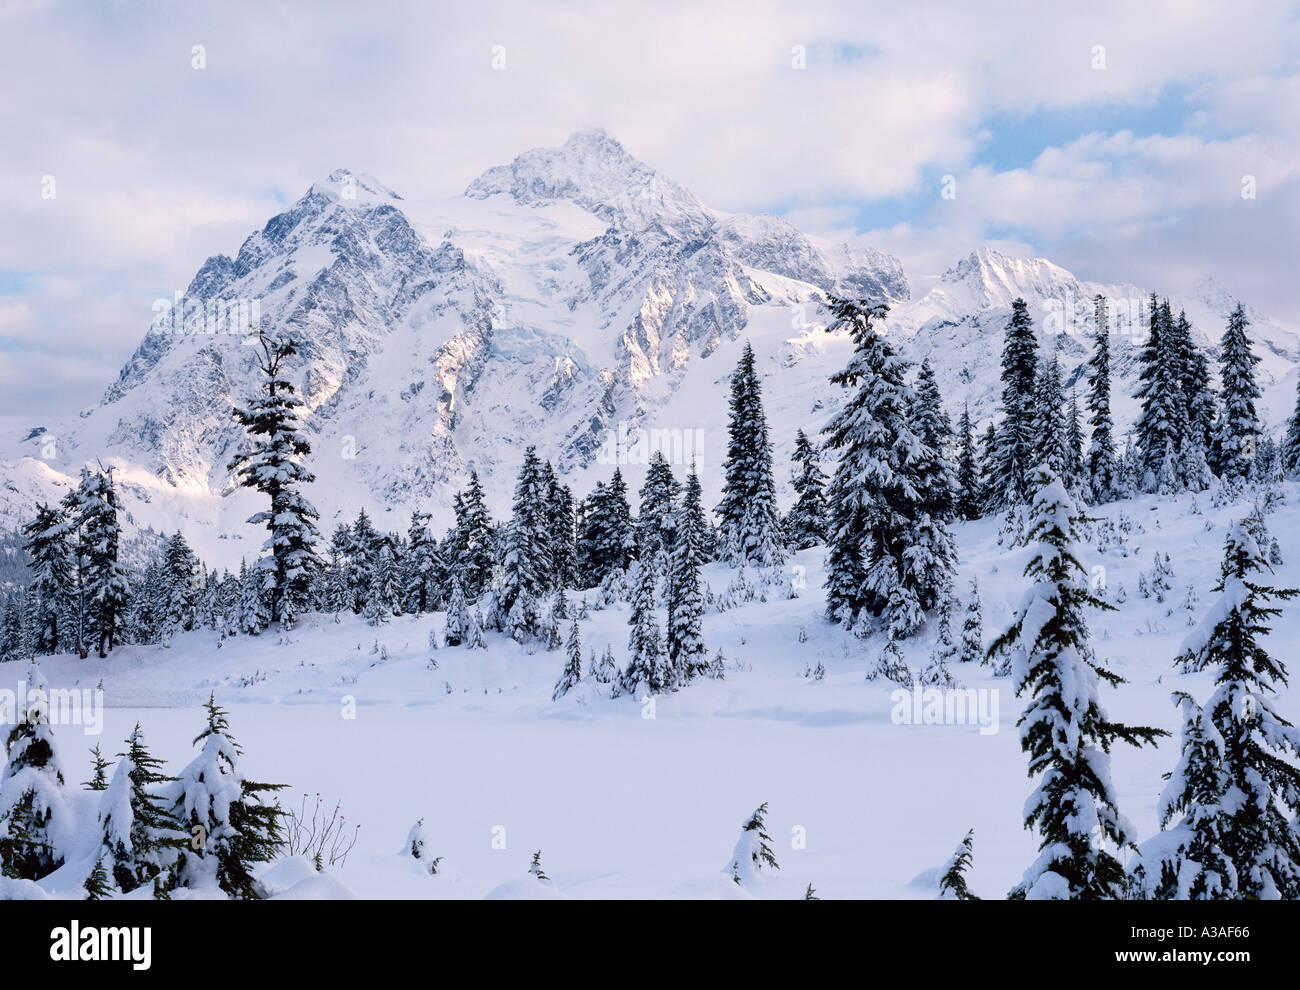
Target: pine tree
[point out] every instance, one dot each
(646, 669)
(969, 503)
(419, 564)
(50, 561)
(889, 554)
(474, 567)
(686, 654)
(752, 857)
(972, 628)
(233, 829)
(805, 526)
(952, 883)
(749, 526)
(527, 559)
(385, 587)
(1261, 781)
(691, 517)
(98, 772)
(271, 463)
(35, 820)
(1197, 413)
(458, 618)
(572, 672)
(1189, 861)
(1050, 428)
(97, 887)
(561, 532)
(1103, 470)
(1160, 426)
(1015, 446)
(252, 600)
(1291, 445)
(362, 552)
(1238, 427)
(141, 839)
(1063, 728)
(95, 505)
(1074, 475)
(658, 504)
(181, 592)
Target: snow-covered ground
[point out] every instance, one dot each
(626, 799)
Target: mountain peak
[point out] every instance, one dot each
(593, 170)
(354, 188)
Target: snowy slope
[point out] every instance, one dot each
(624, 805)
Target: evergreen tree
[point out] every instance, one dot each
(1063, 728)
(252, 600)
(1160, 426)
(35, 821)
(1102, 467)
(889, 555)
(98, 772)
(972, 627)
(477, 558)
(1260, 795)
(458, 617)
(527, 560)
(46, 545)
(233, 829)
(362, 554)
(805, 526)
(572, 672)
(749, 527)
(271, 463)
(753, 857)
(141, 839)
(1238, 429)
(95, 506)
(1050, 428)
(1074, 476)
(419, 565)
(658, 504)
(181, 590)
(1015, 445)
(691, 517)
(646, 669)
(969, 504)
(952, 883)
(385, 587)
(561, 532)
(1291, 445)
(1197, 414)
(686, 653)
(1189, 861)
(97, 886)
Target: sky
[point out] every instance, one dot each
(1153, 143)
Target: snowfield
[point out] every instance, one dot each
(630, 798)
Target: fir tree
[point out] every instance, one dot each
(98, 771)
(1102, 467)
(385, 587)
(952, 883)
(805, 526)
(1160, 426)
(362, 552)
(94, 504)
(419, 565)
(972, 628)
(181, 590)
(1063, 728)
(34, 818)
(1238, 427)
(141, 839)
(1260, 778)
(753, 857)
(271, 463)
(749, 527)
(969, 504)
(561, 532)
(1015, 446)
(50, 561)
(658, 503)
(458, 617)
(477, 556)
(691, 517)
(97, 886)
(232, 828)
(889, 554)
(686, 653)
(527, 564)
(646, 669)
(1291, 445)
(572, 672)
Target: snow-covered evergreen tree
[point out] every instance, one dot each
(94, 505)
(1016, 443)
(749, 528)
(232, 828)
(972, 627)
(647, 668)
(272, 463)
(50, 561)
(1189, 861)
(458, 617)
(969, 503)
(805, 526)
(385, 587)
(1291, 444)
(1160, 427)
(98, 771)
(1261, 778)
(752, 859)
(952, 881)
(572, 672)
(35, 820)
(1063, 728)
(1238, 428)
(890, 557)
(419, 565)
(1103, 469)
(253, 615)
(141, 839)
(686, 653)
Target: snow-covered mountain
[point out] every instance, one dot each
(570, 294)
